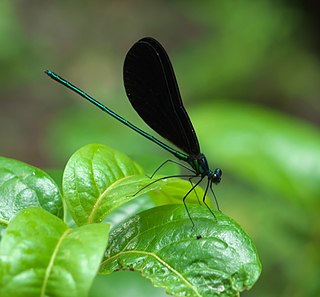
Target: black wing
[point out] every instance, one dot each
(152, 89)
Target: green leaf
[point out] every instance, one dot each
(172, 191)
(88, 175)
(98, 179)
(23, 186)
(216, 258)
(42, 256)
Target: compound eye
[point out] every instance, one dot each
(217, 175)
(218, 172)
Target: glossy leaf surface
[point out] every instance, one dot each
(42, 256)
(98, 179)
(23, 186)
(216, 258)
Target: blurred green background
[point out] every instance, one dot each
(249, 74)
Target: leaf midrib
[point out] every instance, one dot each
(95, 208)
(50, 265)
(159, 260)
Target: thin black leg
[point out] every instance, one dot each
(161, 178)
(215, 198)
(195, 190)
(186, 195)
(172, 161)
(204, 198)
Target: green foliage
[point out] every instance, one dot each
(262, 52)
(216, 258)
(98, 179)
(92, 174)
(23, 186)
(265, 148)
(271, 185)
(249, 49)
(42, 255)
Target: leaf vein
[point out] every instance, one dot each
(51, 262)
